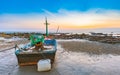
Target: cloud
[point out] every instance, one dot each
(67, 20)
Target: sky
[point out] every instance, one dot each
(69, 15)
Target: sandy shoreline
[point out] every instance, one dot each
(90, 47)
(8, 45)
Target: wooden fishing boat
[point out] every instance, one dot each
(26, 56)
(31, 57)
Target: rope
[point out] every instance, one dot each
(6, 49)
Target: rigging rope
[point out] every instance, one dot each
(6, 49)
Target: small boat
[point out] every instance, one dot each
(27, 56)
(31, 57)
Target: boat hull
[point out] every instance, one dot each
(32, 58)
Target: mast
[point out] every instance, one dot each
(57, 29)
(46, 23)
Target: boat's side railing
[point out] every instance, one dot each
(51, 42)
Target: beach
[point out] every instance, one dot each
(72, 58)
(90, 47)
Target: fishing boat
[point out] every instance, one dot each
(38, 48)
(30, 57)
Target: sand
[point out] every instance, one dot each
(9, 45)
(91, 47)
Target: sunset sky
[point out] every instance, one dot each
(70, 15)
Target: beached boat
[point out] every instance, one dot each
(44, 48)
(31, 57)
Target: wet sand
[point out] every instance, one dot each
(8, 45)
(67, 62)
(91, 47)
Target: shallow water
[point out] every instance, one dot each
(66, 63)
(7, 62)
(72, 63)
